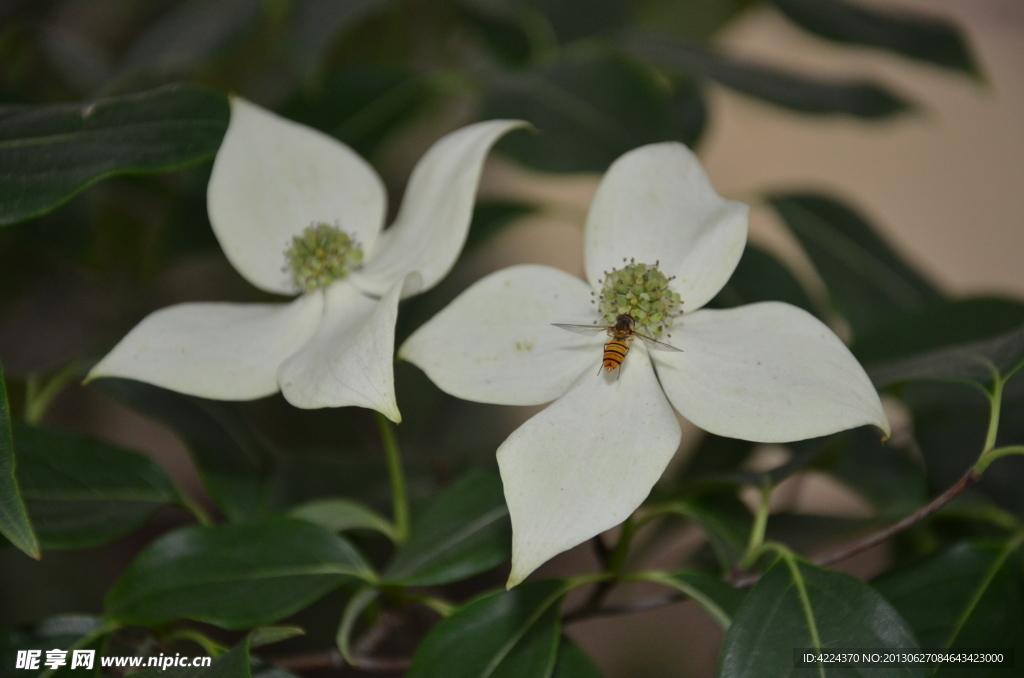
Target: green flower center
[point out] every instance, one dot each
(640, 291)
(320, 255)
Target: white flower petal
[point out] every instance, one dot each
(767, 372)
(350, 359)
(214, 350)
(585, 463)
(272, 178)
(656, 203)
(495, 344)
(433, 221)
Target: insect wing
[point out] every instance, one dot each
(657, 345)
(582, 329)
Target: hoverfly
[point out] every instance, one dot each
(621, 333)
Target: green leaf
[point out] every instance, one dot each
(859, 98)
(268, 635)
(726, 521)
(185, 38)
(936, 325)
(867, 280)
(572, 662)
(504, 634)
(761, 277)
(361, 105)
(575, 19)
(917, 36)
(235, 663)
(970, 596)
(52, 152)
(233, 576)
(81, 492)
(354, 609)
(317, 23)
(889, 478)
(464, 531)
(338, 515)
(236, 464)
(14, 523)
(63, 632)
(798, 605)
(978, 361)
(720, 600)
(589, 108)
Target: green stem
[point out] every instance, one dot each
(618, 557)
(760, 524)
(988, 457)
(197, 511)
(399, 494)
(38, 398)
(996, 400)
(212, 647)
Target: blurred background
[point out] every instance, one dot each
(908, 112)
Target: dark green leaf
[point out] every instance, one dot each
(235, 663)
(800, 93)
(914, 35)
(50, 153)
(575, 19)
(14, 523)
(268, 635)
(317, 23)
(726, 521)
(233, 576)
(793, 603)
(867, 280)
(505, 634)
(81, 492)
(464, 531)
(360, 105)
(589, 108)
(572, 662)
(761, 277)
(64, 632)
(970, 596)
(977, 361)
(236, 463)
(720, 600)
(893, 482)
(938, 324)
(950, 425)
(357, 604)
(338, 515)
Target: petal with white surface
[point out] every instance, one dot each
(214, 350)
(495, 343)
(585, 463)
(767, 372)
(272, 178)
(656, 203)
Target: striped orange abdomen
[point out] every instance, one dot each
(614, 351)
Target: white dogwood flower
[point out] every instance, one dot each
(298, 212)
(659, 244)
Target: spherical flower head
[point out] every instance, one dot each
(320, 255)
(642, 292)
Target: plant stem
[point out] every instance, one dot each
(988, 457)
(914, 518)
(399, 494)
(39, 397)
(760, 524)
(197, 511)
(995, 400)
